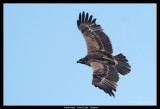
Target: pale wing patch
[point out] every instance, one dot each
(91, 44)
(96, 66)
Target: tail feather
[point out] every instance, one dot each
(123, 66)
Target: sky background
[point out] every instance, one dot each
(42, 44)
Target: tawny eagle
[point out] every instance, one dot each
(99, 56)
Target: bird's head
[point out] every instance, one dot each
(82, 61)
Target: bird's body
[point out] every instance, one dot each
(99, 57)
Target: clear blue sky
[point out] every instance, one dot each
(42, 44)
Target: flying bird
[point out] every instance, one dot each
(106, 67)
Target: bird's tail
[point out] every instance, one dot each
(123, 66)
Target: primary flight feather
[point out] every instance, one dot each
(99, 56)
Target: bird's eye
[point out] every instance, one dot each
(85, 61)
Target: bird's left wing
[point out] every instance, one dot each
(105, 77)
(94, 36)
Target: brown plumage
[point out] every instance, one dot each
(99, 56)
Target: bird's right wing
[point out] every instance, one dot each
(105, 77)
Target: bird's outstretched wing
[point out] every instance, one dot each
(94, 36)
(105, 77)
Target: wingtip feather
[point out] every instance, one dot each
(94, 20)
(77, 22)
(86, 19)
(83, 16)
(90, 18)
(79, 17)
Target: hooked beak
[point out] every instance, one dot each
(79, 61)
